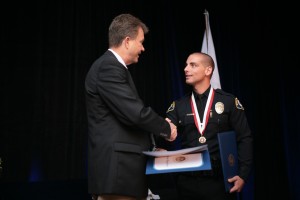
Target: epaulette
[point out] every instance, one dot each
(222, 92)
(236, 101)
(187, 95)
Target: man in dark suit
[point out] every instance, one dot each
(119, 124)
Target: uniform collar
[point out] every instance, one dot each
(205, 94)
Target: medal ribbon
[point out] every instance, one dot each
(202, 125)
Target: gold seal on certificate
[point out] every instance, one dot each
(202, 139)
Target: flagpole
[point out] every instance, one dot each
(208, 48)
(206, 27)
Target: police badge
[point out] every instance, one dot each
(219, 107)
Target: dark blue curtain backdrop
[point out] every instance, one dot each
(47, 48)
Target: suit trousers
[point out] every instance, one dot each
(115, 197)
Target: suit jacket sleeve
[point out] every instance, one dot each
(115, 85)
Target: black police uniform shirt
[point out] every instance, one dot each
(229, 116)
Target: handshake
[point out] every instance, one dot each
(173, 131)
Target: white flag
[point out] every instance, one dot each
(208, 48)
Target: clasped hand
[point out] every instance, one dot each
(173, 131)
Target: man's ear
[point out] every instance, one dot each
(208, 70)
(126, 42)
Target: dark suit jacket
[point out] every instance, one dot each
(118, 130)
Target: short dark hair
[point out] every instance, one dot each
(208, 60)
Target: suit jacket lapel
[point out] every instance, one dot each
(131, 83)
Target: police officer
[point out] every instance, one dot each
(199, 117)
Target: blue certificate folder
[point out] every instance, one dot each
(189, 159)
(229, 157)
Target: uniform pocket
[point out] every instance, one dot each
(188, 119)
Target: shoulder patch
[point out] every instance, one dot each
(172, 107)
(238, 104)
